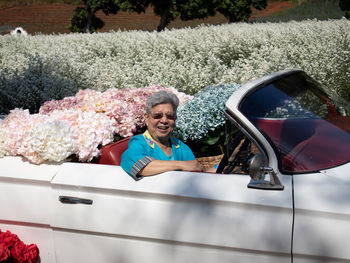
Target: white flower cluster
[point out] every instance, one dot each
(38, 68)
(204, 113)
(52, 141)
(90, 130)
(41, 138)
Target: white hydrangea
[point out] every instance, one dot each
(52, 141)
(89, 129)
(44, 138)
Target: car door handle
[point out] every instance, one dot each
(74, 200)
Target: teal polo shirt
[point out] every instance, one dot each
(142, 150)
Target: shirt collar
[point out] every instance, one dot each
(151, 142)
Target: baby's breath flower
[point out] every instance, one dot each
(39, 68)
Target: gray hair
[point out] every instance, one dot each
(161, 97)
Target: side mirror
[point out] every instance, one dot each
(257, 170)
(255, 165)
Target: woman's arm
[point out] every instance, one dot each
(159, 166)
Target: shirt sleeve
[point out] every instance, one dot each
(136, 157)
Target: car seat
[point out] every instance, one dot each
(112, 153)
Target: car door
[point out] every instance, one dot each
(322, 213)
(100, 214)
(25, 195)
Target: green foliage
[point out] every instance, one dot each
(79, 21)
(84, 18)
(169, 10)
(132, 5)
(345, 6)
(196, 9)
(166, 11)
(239, 10)
(212, 144)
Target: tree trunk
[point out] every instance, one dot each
(164, 19)
(88, 23)
(90, 14)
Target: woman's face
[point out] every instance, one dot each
(161, 121)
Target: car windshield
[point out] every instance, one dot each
(309, 129)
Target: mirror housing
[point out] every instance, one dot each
(257, 170)
(254, 168)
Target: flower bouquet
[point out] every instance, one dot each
(13, 250)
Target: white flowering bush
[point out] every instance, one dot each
(39, 68)
(204, 113)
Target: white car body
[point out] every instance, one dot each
(176, 216)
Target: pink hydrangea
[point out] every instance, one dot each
(17, 126)
(125, 106)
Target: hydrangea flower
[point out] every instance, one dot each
(16, 127)
(126, 106)
(54, 137)
(90, 129)
(52, 140)
(204, 113)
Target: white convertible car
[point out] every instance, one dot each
(286, 201)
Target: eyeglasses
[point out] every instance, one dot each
(168, 115)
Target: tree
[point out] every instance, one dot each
(84, 18)
(169, 10)
(239, 10)
(345, 6)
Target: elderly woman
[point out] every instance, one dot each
(155, 151)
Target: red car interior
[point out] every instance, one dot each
(112, 153)
(304, 144)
